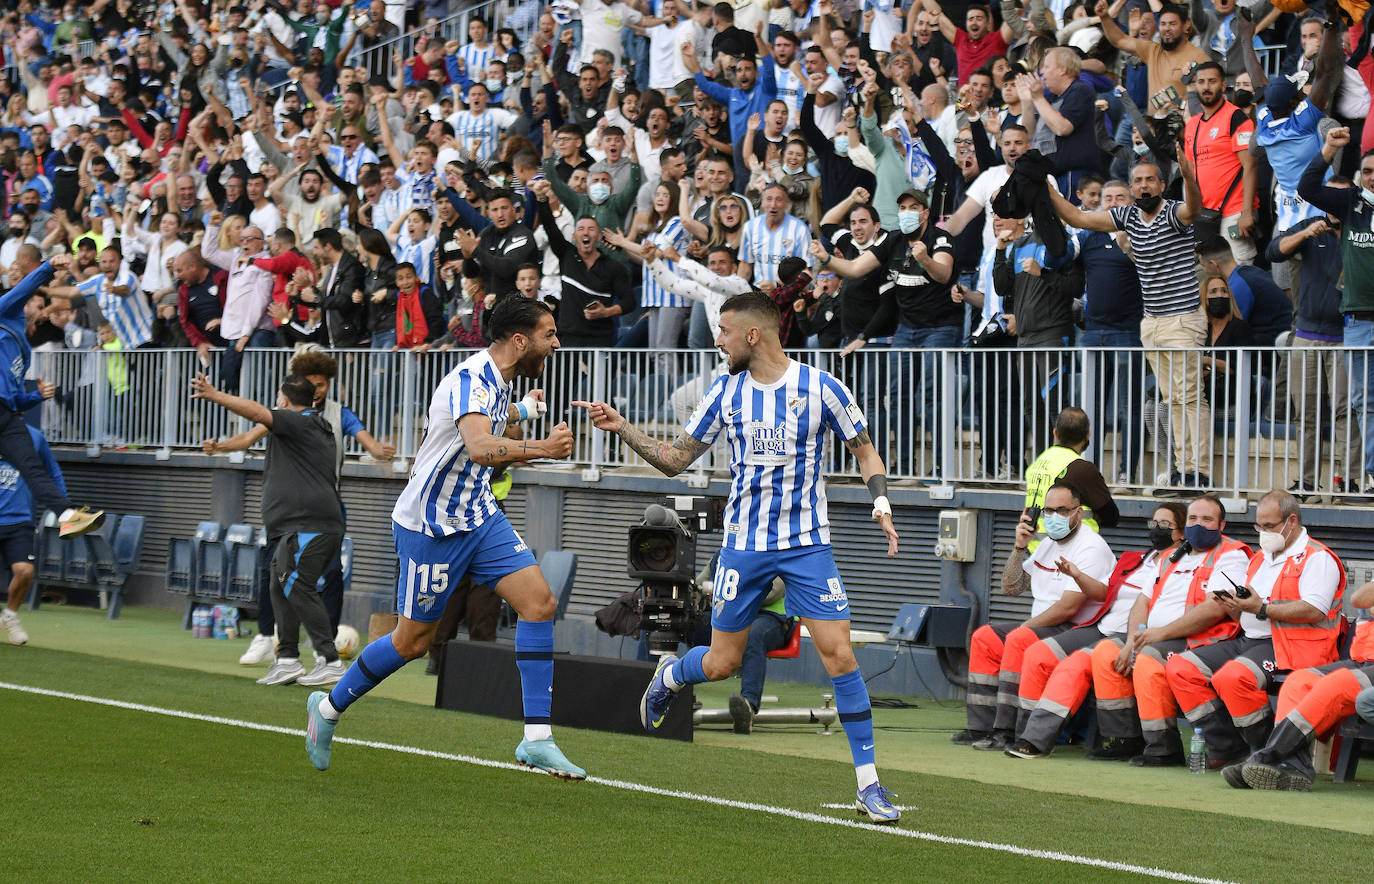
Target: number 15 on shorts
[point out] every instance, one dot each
(426, 582)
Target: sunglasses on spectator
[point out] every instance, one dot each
(963, 141)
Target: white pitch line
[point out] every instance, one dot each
(804, 816)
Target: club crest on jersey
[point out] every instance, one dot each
(795, 404)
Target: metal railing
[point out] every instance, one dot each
(378, 58)
(1248, 419)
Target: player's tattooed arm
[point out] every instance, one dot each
(669, 459)
(858, 442)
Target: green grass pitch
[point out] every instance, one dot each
(93, 792)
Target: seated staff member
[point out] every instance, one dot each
(1179, 614)
(1057, 674)
(1067, 576)
(1290, 619)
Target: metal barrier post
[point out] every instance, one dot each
(1092, 362)
(948, 416)
(600, 372)
(100, 410)
(405, 449)
(169, 403)
(1240, 409)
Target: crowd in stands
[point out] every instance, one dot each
(1133, 173)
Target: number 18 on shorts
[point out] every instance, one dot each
(744, 577)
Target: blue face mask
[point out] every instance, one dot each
(842, 145)
(599, 192)
(1056, 526)
(908, 220)
(1201, 537)
(493, 85)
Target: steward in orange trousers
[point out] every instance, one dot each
(1311, 703)
(1289, 620)
(1067, 576)
(1179, 614)
(1057, 673)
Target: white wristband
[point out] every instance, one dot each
(881, 506)
(529, 407)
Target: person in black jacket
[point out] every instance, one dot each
(1320, 328)
(495, 255)
(596, 288)
(839, 175)
(230, 195)
(340, 291)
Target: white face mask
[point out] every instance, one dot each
(1272, 542)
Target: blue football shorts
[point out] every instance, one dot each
(744, 578)
(431, 567)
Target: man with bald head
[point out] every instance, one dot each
(186, 206)
(200, 302)
(247, 292)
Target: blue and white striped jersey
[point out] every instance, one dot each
(475, 60)
(447, 492)
(654, 295)
(764, 248)
(791, 91)
(349, 167)
(776, 434)
(130, 315)
(485, 129)
(421, 254)
(1290, 144)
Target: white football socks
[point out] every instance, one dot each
(538, 732)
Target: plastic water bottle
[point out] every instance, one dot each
(1197, 753)
(200, 622)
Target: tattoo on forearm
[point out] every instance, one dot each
(859, 441)
(1015, 580)
(667, 458)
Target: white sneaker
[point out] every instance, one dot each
(284, 671)
(259, 651)
(323, 673)
(10, 621)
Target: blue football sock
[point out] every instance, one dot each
(376, 662)
(688, 669)
(856, 716)
(534, 659)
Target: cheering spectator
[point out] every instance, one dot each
(247, 294)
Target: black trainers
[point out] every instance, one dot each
(1234, 776)
(968, 737)
(1304, 492)
(1117, 749)
(1275, 778)
(1025, 749)
(742, 714)
(1174, 759)
(994, 742)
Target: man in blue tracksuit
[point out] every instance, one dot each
(16, 532)
(16, 446)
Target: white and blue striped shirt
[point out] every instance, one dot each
(791, 91)
(654, 295)
(764, 248)
(447, 492)
(417, 190)
(390, 204)
(420, 254)
(776, 434)
(349, 167)
(475, 60)
(130, 315)
(485, 129)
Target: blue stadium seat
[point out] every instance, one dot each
(211, 561)
(245, 563)
(128, 545)
(79, 562)
(560, 570)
